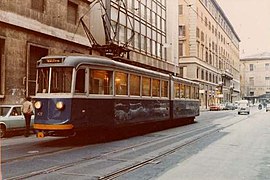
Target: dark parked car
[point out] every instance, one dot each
(11, 119)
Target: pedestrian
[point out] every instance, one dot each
(28, 111)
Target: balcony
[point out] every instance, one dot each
(227, 74)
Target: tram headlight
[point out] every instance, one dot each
(37, 104)
(60, 105)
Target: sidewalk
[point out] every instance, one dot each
(243, 153)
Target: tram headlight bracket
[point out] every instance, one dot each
(60, 105)
(38, 104)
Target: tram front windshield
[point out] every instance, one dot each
(60, 81)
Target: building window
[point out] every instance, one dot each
(251, 67)
(180, 9)
(72, 11)
(182, 31)
(267, 66)
(37, 5)
(202, 51)
(202, 36)
(202, 75)
(197, 32)
(267, 81)
(206, 56)
(251, 81)
(181, 73)
(180, 49)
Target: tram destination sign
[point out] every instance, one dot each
(52, 60)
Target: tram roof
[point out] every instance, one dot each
(78, 60)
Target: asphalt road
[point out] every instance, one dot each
(220, 145)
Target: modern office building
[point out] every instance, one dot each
(209, 51)
(255, 77)
(135, 31)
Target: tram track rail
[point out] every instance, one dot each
(205, 131)
(125, 170)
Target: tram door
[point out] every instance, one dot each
(35, 53)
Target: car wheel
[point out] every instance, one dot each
(2, 131)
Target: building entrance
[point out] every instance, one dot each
(35, 53)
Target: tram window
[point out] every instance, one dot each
(156, 88)
(182, 91)
(80, 81)
(61, 80)
(187, 91)
(196, 93)
(43, 80)
(146, 86)
(176, 90)
(164, 88)
(192, 91)
(135, 85)
(100, 82)
(121, 83)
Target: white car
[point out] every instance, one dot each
(243, 107)
(11, 119)
(222, 106)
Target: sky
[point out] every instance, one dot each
(251, 21)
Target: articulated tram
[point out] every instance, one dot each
(77, 92)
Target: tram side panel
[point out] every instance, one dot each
(129, 112)
(185, 109)
(117, 112)
(92, 113)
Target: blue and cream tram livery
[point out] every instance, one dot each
(75, 93)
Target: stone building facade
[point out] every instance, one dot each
(255, 77)
(209, 51)
(31, 29)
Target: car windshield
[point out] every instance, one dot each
(243, 105)
(4, 111)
